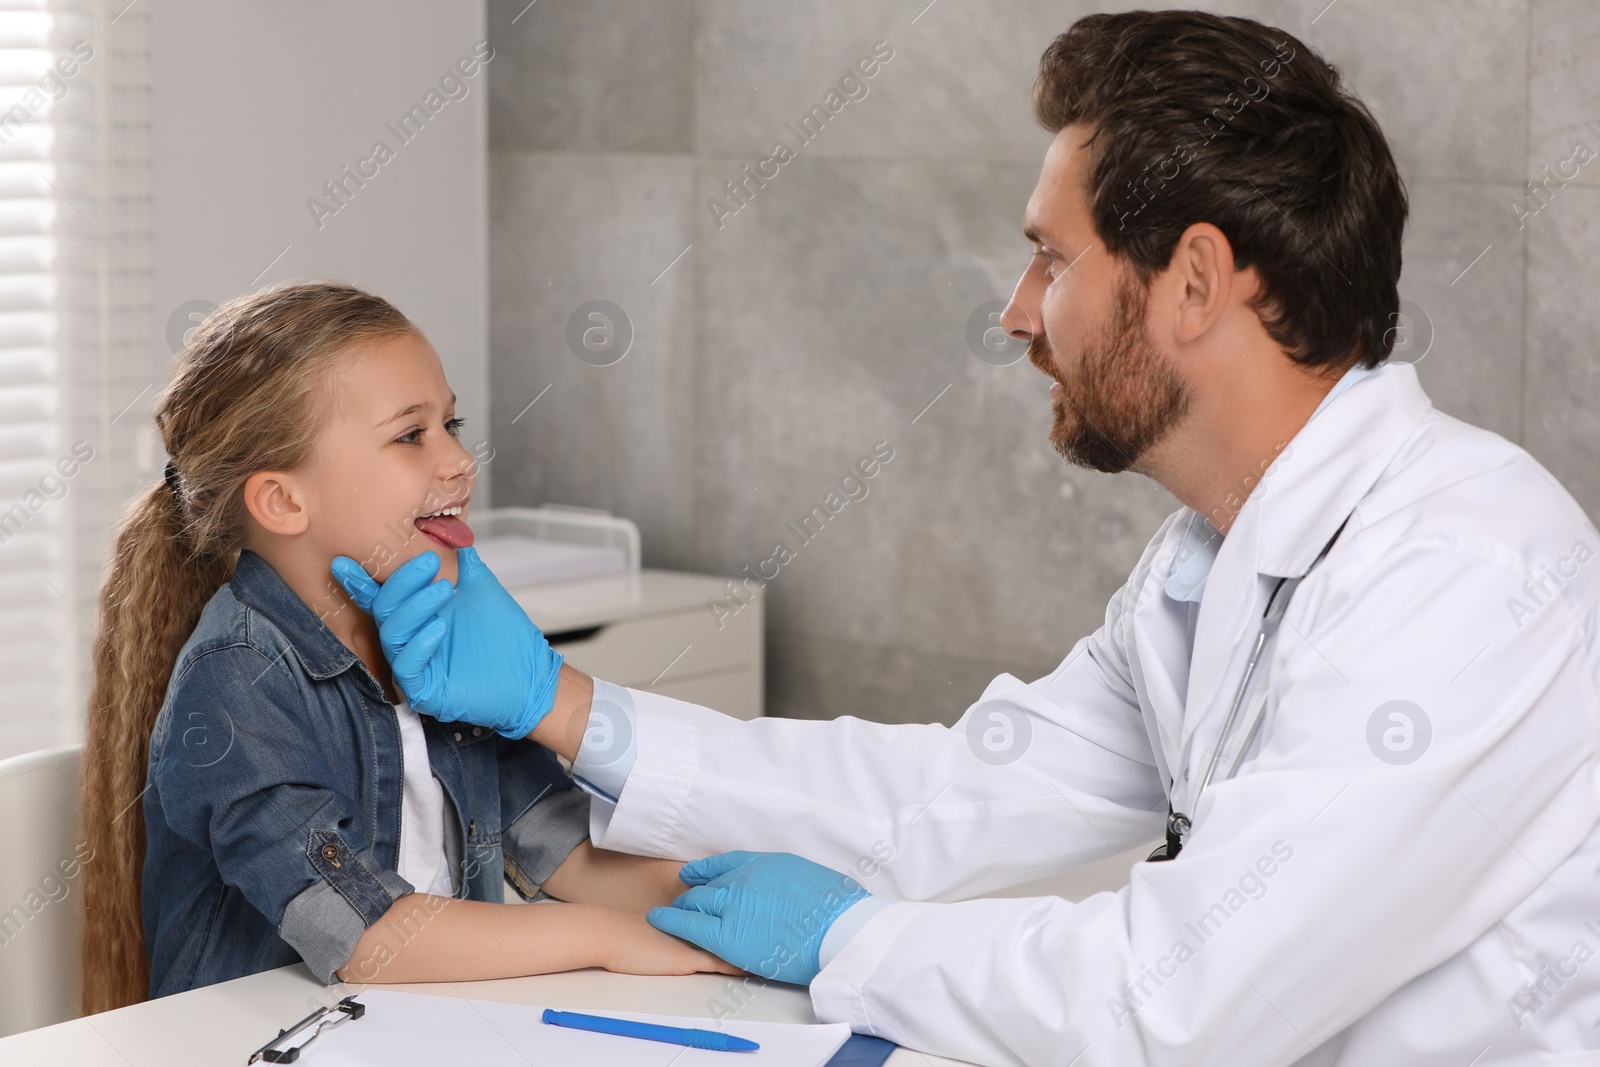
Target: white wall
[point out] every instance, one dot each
(255, 106)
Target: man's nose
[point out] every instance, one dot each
(1020, 319)
(1021, 324)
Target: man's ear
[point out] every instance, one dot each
(1201, 274)
(276, 500)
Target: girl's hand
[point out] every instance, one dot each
(639, 948)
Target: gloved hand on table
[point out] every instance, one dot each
(463, 653)
(765, 912)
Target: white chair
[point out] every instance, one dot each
(41, 889)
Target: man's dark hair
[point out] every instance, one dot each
(1205, 118)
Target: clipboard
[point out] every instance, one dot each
(328, 1015)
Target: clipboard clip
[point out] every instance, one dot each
(328, 1015)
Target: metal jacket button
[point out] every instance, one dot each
(331, 854)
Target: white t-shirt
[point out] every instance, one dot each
(423, 862)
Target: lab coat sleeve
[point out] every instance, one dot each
(1314, 885)
(1033, 779)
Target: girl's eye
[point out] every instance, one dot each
(451, 427)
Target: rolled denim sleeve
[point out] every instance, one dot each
(323, 923)
(243, 771)
(545, 818)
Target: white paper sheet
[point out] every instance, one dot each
(402, 1029)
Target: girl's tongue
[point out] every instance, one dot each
(448, 530)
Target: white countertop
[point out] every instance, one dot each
(222, 1024)
(611, 598)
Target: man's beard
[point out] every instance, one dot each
(1124, 396)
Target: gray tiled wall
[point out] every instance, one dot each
(773, 347)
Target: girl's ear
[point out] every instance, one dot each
(276, 501)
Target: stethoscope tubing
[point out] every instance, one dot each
(1277, 605)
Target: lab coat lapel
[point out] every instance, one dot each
(1229, 612)
(1160, 652)
(1313, 485)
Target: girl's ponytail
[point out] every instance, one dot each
(152, 596)
(248, 393)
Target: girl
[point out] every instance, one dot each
(294, 807)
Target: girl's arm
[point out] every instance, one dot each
(615, 879)
(425, 938)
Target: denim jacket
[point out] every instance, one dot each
(272, 800)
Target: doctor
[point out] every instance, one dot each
(1353, 680)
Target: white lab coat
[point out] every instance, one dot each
(1330, 907)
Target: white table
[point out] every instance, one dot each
(220, 1025)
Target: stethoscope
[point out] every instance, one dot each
(1177, 822)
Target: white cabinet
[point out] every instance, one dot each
(657, 630)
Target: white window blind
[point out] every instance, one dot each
(75, 370)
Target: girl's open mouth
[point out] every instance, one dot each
(446, 528)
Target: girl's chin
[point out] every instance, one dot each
(416, 547)
(447, 559)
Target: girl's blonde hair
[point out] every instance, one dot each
(248, 393)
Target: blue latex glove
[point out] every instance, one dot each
(766, 912)
(463, 653)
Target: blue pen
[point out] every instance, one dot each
(675, 1035)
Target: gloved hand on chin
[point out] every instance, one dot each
(463, 653)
